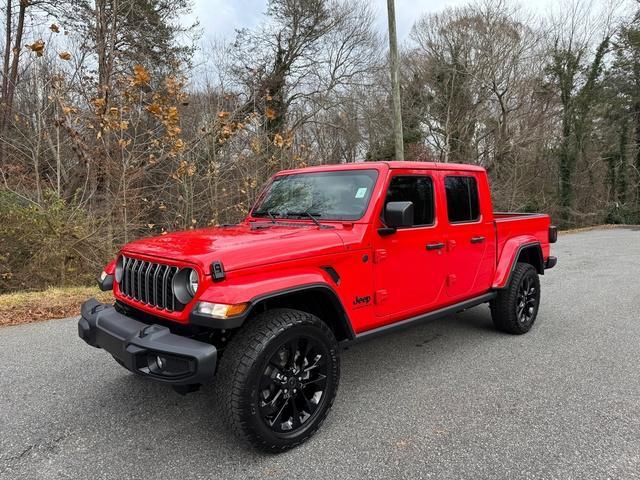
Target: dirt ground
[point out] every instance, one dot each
(28, 307)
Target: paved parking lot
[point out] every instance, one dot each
(450, 399)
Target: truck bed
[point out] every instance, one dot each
(509, 225)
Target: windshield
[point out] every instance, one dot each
(342, 195)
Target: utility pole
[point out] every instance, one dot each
(395, 83)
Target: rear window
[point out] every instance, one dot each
(462, 199)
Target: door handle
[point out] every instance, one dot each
(435, 246)
(477, 239)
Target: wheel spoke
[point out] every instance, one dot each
(317, 362)
(294, 351)
(296, 413)
(310, 406)
(305, 353)
(319, 378)
(271, 403)
(275, 419)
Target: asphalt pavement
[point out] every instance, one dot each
(450, 399)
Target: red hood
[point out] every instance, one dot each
(241, 246)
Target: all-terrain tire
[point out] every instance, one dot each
(242, 369)
(515, 308)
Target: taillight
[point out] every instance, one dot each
(553, 234)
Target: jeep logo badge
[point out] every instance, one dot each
(362, 300)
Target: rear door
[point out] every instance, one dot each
(470, 236)
(409, 264)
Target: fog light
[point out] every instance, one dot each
(220, 310)
(160, 362)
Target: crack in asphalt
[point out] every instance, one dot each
(44, 446)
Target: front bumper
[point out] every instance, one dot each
(148, 350)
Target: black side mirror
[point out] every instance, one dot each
(397, 215)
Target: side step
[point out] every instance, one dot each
(442, 312)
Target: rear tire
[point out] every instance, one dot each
(515, 308)
(278, 378)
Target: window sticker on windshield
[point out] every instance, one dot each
(362, 191)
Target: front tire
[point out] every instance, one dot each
(515, 308)
(278, 378)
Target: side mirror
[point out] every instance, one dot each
(397, 215)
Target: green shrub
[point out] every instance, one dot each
(51, 244)
(621, 214)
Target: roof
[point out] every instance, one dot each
(393, 164)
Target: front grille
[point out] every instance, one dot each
(149, 283)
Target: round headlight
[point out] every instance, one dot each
(193, 283)
(185, 285)
(119, 268)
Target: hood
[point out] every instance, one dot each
(242, 245)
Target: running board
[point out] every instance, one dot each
(442, 312)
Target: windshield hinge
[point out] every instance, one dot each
(217, 271)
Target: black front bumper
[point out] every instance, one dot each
(148, 350)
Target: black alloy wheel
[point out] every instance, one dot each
(527, 300)
(293, 384)
(515, 308)
(278, 378)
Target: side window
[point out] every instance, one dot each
(416, 189)
(462, 199)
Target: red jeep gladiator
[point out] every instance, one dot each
(328, 255)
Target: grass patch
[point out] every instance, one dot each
(27, 307)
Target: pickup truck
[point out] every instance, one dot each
(327, 255)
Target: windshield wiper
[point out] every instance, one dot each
(267, 212)
(308, 214)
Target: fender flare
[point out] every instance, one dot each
(341, 317)
(510, 255)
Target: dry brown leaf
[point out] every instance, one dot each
(155, 109)
(37, 47)
(140, 76)
(270, 113)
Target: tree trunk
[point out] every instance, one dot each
(106, 33)
(13, 75)
(7, 58)
(565, 169)
(622, 162)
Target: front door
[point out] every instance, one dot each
(409, 264)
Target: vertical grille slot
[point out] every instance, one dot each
(149, 283)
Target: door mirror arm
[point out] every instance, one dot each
(384, 231)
